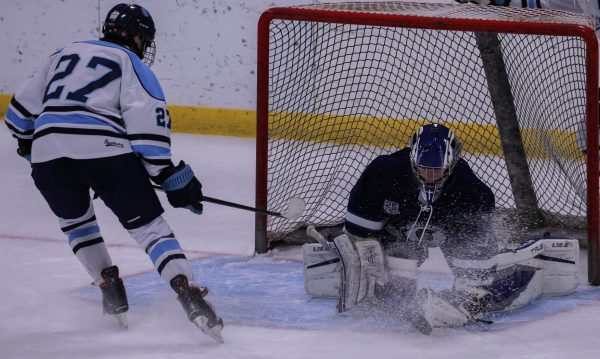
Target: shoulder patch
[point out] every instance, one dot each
(391, 207)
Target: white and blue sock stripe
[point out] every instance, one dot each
(86, 243)
(84, 237)
(163, 252)
(162, 247)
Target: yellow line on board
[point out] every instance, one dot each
(347, 129)
(395, 133)
(200, 120)
(213, 121)
(4, 101)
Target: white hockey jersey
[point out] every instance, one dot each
(93, 99)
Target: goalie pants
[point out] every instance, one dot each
(123, 185)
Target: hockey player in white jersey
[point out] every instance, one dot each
(94, 117)
(425, 196)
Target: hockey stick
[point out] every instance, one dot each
(295, 206)
(312, 232)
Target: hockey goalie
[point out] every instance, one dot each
(426, 196)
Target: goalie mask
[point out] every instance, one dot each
(433, 153)
(133, 27)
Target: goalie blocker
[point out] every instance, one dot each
(349, 271)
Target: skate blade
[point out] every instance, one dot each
(121, 318)
(214, 332)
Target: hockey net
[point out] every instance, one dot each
(339, 84)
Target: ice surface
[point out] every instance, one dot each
(49, 310)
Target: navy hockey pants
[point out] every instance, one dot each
(120, 181)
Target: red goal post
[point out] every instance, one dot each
(338, 84)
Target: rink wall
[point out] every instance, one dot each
(206, 53)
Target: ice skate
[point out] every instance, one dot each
(199, 311)
(114, 297)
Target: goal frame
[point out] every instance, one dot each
(431, 23)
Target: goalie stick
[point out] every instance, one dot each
(294, 210)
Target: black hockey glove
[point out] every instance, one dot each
(183, 189)
(24, 149)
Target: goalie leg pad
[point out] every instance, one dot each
(515, 287)
(347, 268)
(362, 266)
(350, 282)
(372, 270)
(556, 260)
(560, 266)
(322, 271)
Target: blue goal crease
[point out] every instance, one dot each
(267, 292)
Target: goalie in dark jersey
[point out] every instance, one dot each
(425, 196)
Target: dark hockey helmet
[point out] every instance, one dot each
(125, 22)
(434, 151)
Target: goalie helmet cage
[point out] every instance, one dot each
(339, 84)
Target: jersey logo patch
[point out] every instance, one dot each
(391, 207)
(108, 143)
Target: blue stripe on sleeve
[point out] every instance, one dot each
(19, 122)
(151, 151)
(163, 247)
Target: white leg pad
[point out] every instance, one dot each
(560, 263)
(372, 270)
(530, 293)
(348, 269)
(557, 260)
(350, 285)
(322, 269)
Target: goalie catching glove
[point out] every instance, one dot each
(183, 188)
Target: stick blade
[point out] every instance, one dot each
(295, 208)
